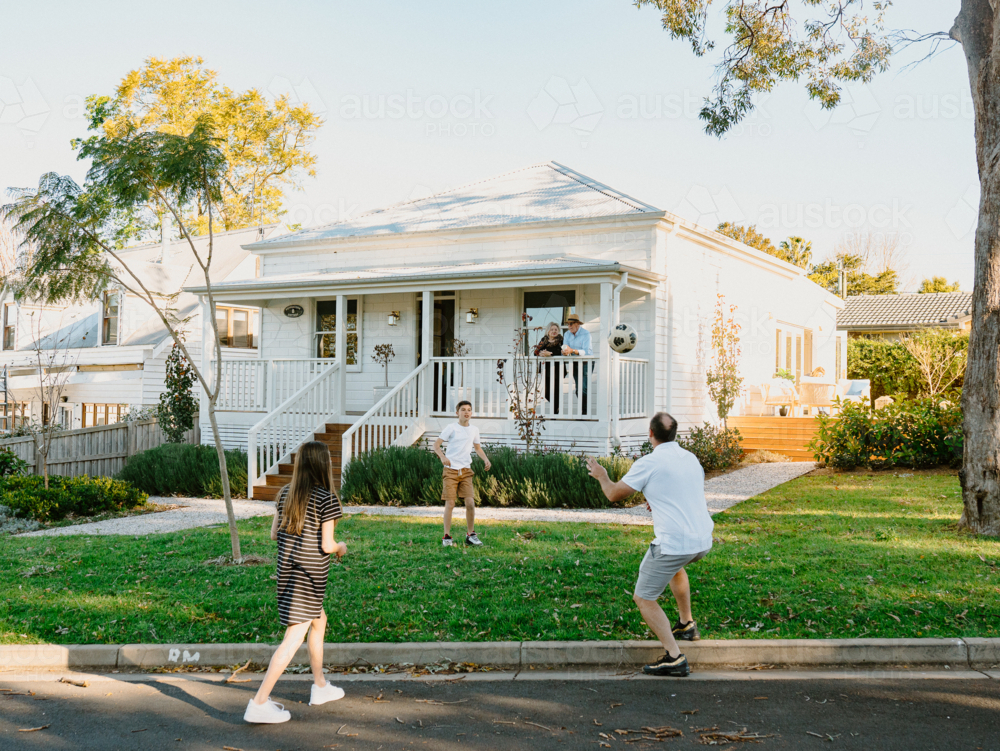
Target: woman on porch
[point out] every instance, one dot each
(551, 346)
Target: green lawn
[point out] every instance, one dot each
(832, 556)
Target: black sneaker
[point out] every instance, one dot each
(687, 631)
(473, 539)
(667, 665)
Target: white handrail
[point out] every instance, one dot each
(390, 418)
(274, 438)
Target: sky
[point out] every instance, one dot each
(423, 97)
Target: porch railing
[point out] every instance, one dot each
(632, 388)
(259, 385)
(396, 417)
(273, 439)
(567, 386)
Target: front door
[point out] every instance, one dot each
(443, 340)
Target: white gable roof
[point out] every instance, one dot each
(541, 193)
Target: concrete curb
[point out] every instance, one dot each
(974, 653)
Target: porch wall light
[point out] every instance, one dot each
(393, 318)
(472, 316)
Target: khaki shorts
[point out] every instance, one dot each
(657, 569)
(457, 483)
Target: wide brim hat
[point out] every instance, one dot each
(573, 318)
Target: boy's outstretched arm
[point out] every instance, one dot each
(482, 455)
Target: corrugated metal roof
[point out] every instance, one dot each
(906, 310)
(543, 192)
(398, 273)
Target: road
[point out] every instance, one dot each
(795, 711)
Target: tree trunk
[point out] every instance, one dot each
(234, 535)
(974, 28)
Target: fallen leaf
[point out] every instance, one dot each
(528, 722)
(690, 711)
(895, 617)
(32, 730)
(758, 698)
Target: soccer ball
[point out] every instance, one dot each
(623, 338)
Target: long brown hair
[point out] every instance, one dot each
(312, 469)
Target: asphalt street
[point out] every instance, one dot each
(184, 712)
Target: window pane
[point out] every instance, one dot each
(326, 315)
(546, 307)
(241, 328)
(110, 330)
(326, 345)
(222, 322)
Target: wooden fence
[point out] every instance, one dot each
(100, 451)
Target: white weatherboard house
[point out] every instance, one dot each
(461, 267)
(111, 353)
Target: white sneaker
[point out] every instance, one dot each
(267, 713)
(447, 542)
(323, 694)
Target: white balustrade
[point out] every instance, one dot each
(396, 417)
(471, 379)
(259, 385)
(273, 439)
(632, 387)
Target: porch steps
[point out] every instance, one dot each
(788, 436)
(268, 487)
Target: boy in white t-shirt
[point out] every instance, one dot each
(462, 438)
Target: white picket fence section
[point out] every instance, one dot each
(258, 385)
(396, 418)
(273, 439)
(472, 379)
(632, 387)
(100, 451)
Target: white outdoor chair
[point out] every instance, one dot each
(854, 390)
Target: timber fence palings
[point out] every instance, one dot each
(100, 451)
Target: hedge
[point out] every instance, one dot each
(404, 476)
(891, 369)
(83, 496)
(186, 470)
(918, 433)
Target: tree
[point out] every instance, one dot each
(74, 234)
(938, 284)
(796, 250)
(8, 249)
(264, 143)
(724, 380)
(940, 356)
(524, 384)
(832, 43)
(748, 235)
(859, 282)
(178, 404)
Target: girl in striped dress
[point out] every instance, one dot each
(303, 526)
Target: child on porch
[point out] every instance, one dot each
(461, 438)
(303, 525)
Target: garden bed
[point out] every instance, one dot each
(837, 556)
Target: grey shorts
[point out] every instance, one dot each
(657, 569)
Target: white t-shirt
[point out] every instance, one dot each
(673, 483)
(460, 442)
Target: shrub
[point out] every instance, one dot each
(83, 496)
(763, 456)
(539, 479)
(917, 433)
(184, 469)
(716, 448)
(890, 368)
(10, 464)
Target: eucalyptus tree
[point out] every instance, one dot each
(829, 43)
(72, 235)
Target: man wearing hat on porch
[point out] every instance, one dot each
(576, 342)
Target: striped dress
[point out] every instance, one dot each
(303, 567)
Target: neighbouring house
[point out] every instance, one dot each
(111, 353)
(445, 280)
(890, 316)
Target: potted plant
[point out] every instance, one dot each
(784, 374)
(383, 356)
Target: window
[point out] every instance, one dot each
(546, 307)
(13, 415)
(326, 326)
(103, 414)
(9, 325)
(237, 327)
(109, 326)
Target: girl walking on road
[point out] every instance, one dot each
(303, 526)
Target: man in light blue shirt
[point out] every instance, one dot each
(576, 342)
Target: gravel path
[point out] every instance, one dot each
(720, 492)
